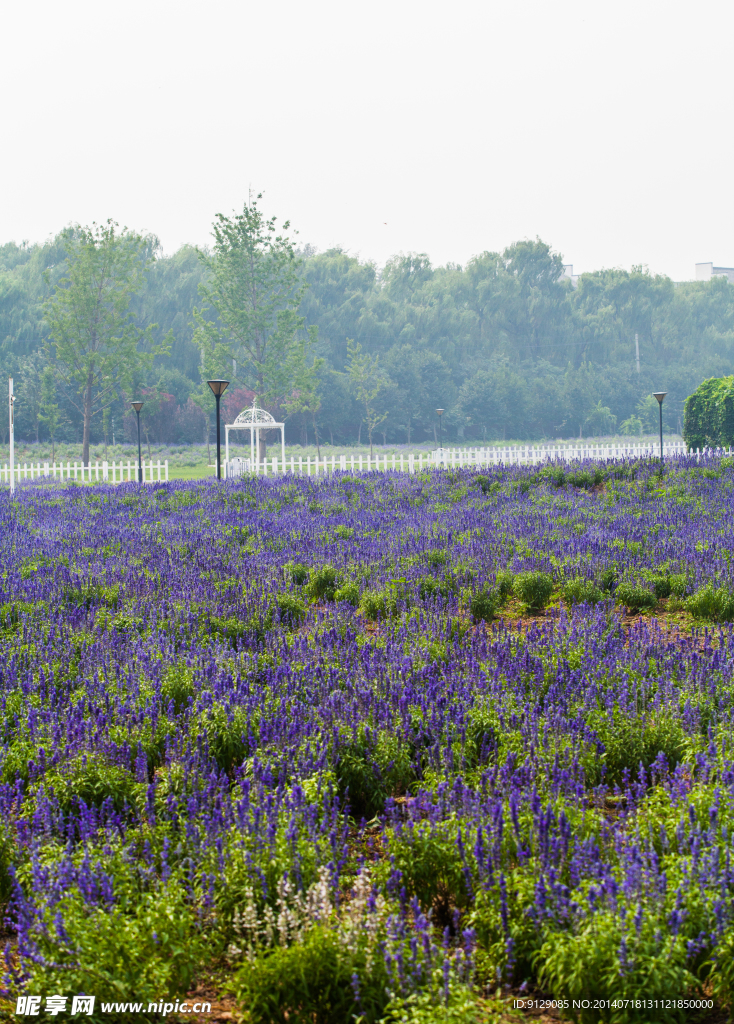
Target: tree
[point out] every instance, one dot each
(94, 340)
(49, 410)
(366, 380)
(28, 390)
(304, 399)
(254, 290)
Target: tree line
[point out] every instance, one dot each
(344, 351)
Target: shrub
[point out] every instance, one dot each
(91, 778)
(323, 583)
(428, 1006)
(678, 584)
(716, 603)
(292, 609)
(152, 946)
(311, 981)
(484, 604)
(505, 583)
(607, 579)
(634, 596)
(486, 485)
(378, 604)
(661, 586)
(227, 733)
(368, 771)
(429, 858)
(534, 589)
(348, 592)
(177, 685)
(298, 573)
(582, 591)
(439, 556)
(429, 586)
(630, 741)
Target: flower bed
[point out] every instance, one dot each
(372, 744)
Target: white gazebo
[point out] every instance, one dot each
(254, 419)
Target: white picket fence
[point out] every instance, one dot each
(511, 455)
(97, 472)
(413, 462)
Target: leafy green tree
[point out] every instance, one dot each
(366, 379)
(28, 390)
(252, 291)
(600, 420)
(631, 427)
(96, 345)
(49, 411)
(304, 399)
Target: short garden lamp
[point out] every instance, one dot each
(660, 395)
(137, 406)
(218, 388)
(440, 431)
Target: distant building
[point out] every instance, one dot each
(568, 275)
(705, 271)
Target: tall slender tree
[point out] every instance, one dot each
(366, 379)
(94, 341)
(251, 295)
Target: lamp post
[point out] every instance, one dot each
(137, 406)
(218, 388)
(440, 431)
(660, 395)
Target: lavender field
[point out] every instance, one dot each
(375, 748)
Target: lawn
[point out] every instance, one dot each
(377, 747)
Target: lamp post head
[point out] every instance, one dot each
(218, 386)
(440, 412)
(660, 395)
(137, 406)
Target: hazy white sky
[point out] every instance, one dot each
(413, 125)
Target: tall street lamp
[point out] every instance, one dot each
(660, 395)
(440, 431)
(218, 388)
(137, 406)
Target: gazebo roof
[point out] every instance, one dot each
(255, 416)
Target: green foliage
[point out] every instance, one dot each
(323, 583)
(344, 532)
(631, 741)
(252, 292)
(432, 868)
(292, 609)
(709, 602)
(430, 1007)
(635, 596)
(534, 589)
(582, 591)
(177, 685)
(310, 981)
(226, 732)
(378, 604)
(709, 414)
(585, 965)
(91, 778)
(505, 583)
(137, 951)
(95, 340)
(348, 592)
(298, 573)
(369, 770)
(484, 604)
(607, 579)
